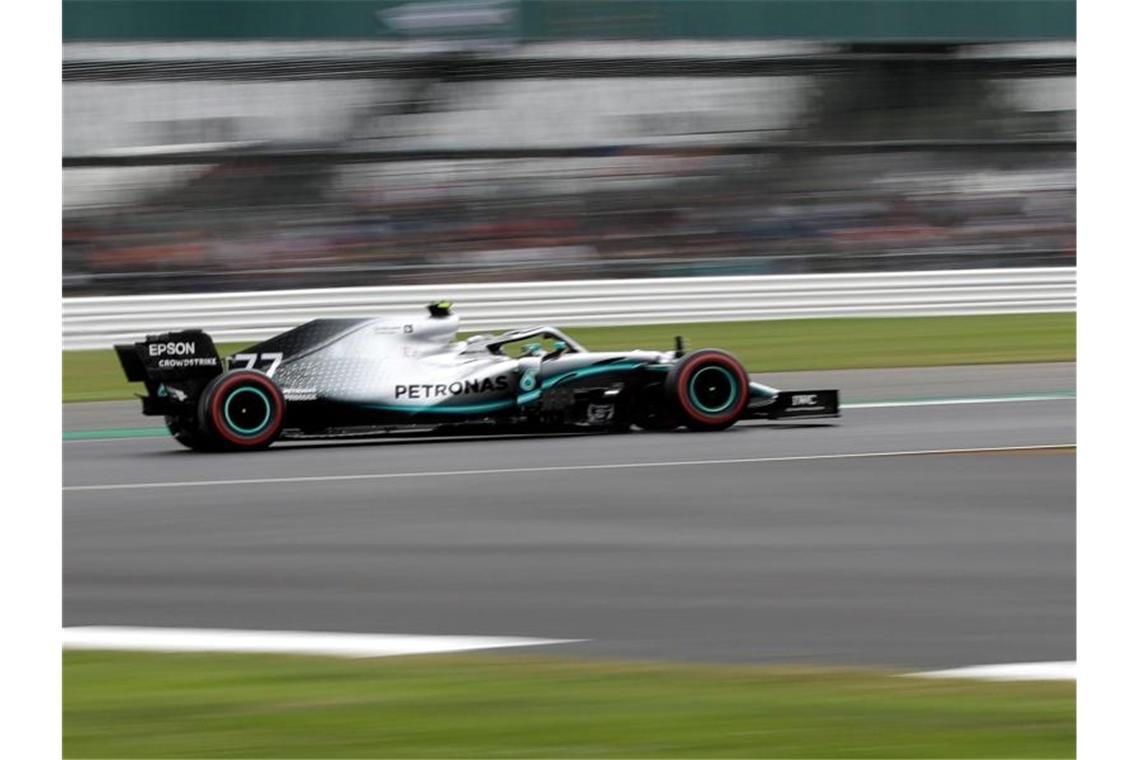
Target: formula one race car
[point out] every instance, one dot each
(338, 377)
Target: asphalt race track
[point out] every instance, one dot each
(772, 542)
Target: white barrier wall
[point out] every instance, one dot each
(100, 322)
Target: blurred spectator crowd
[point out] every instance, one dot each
(253, 226)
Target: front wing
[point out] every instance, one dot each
(797, 404)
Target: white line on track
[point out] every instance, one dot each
(1014, 671)
(284, 642)
(554, 468)
(957, 401)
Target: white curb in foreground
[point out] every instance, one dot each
(284, 642)
(1014, 671)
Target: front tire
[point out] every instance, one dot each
(708, 389)
(241, 410)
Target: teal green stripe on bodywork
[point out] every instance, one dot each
(494, 406)
(490, 406)
(575, 374)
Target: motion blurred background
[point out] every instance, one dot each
(235, 145)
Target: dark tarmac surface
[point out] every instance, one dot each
(932, 560)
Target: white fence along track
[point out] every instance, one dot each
(100, 322)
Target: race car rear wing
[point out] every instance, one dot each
(795, 404)
(174, 367)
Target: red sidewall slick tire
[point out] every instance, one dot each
(709, 389)
(242, 410)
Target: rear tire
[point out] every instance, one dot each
(708, 389)
(241, 410)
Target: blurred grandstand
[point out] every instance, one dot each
(468, 141)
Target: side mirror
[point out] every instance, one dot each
(679, 346)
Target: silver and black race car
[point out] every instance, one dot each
(343, 377)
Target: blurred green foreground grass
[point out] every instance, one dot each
(242, 706)
(805, 344)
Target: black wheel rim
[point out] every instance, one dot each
(247, 410)
(713, 389)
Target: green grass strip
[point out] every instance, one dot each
(136, 705)
(770, 346)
